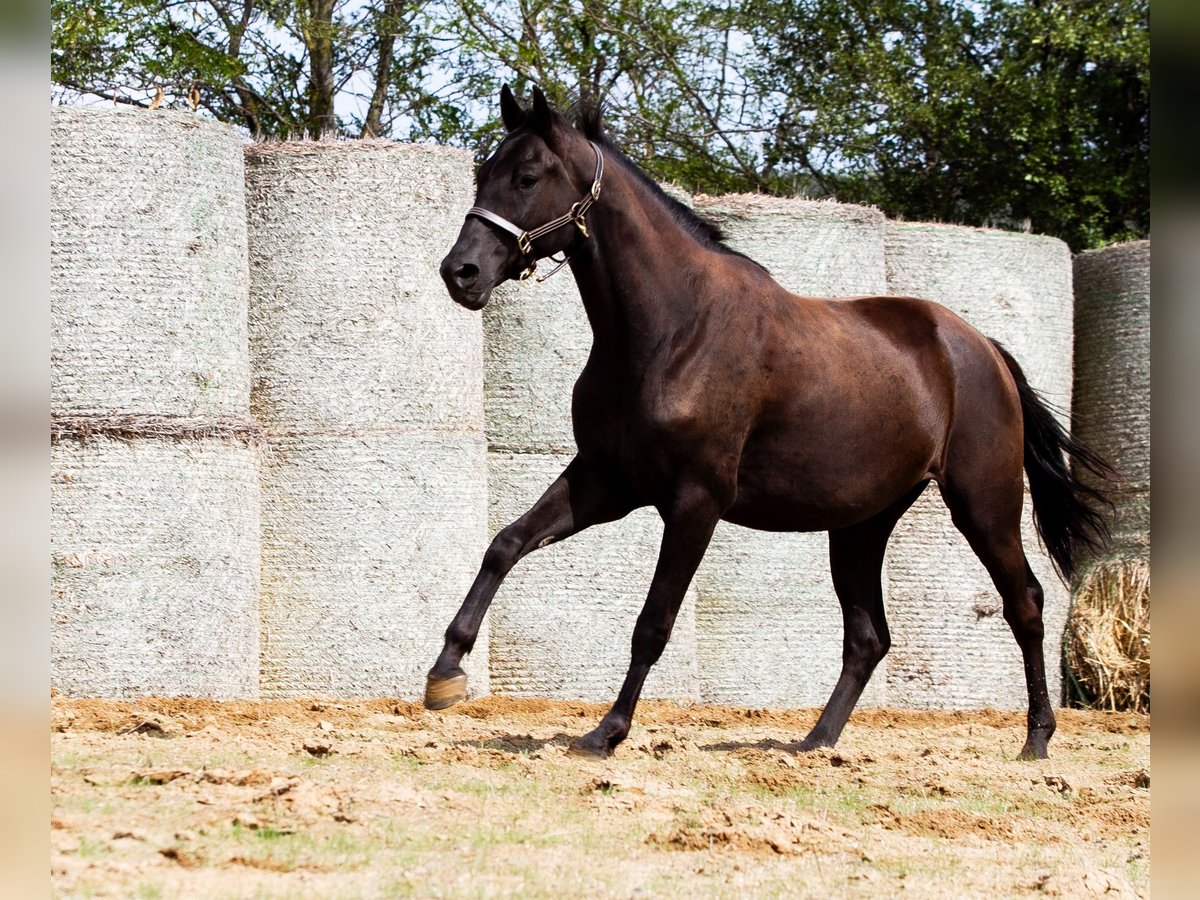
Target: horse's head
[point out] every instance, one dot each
(530, 201)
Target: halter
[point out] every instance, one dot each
(575, 214)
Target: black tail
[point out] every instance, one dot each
(1069, 514)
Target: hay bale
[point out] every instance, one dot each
(370, 542)
(148, 265)
(814, 247)
(1108, 636)
(768, 621)
(563, 620)
(1112, 379)
(368, 381)
(536, 342)
(951, 648)
(154, 549)
(950, 645)
(350, 325)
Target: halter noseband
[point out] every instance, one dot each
(575, 214)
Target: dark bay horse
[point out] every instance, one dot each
(713, 393)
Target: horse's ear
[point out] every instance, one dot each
(511, 113)
(540, 117)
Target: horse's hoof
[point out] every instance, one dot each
(442, 693)
(1031, 752)
(588, 751)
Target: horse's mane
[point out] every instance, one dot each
(589, 119)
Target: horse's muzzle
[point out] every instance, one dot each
(464, 284)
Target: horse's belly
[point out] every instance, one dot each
(781, 491)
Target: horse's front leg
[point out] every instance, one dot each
(582, 496)
(688, 528)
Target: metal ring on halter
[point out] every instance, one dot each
(576, 215)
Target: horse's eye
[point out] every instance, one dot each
(526, 182)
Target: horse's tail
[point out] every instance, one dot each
(1069, 515)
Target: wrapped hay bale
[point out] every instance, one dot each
(368, 381)
(1108, 635)
(370, 541)
(148, 265)
(814, 247)
(951, 647)
(154, 549)
(769, 625)
(154, 466)
(563, 620)
(1111, 411)
(586, 591)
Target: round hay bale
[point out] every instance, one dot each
(148, 284)
(155, 573)
(370, 542)
(814, 247)
(536, 342)
(368, 381)
(350, 325)
(1112, 379)
(951, 647)
(1108, 636)
(769, 626)
(563, 620)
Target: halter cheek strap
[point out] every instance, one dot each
(575, 215)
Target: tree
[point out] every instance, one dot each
(1016, 113)
(277, 67)
(1001, 113)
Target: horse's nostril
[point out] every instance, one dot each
(466, 274)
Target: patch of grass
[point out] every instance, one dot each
(89, 848)
(272, 834)
(148, 892)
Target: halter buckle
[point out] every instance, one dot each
(524, 244)
(577, 216)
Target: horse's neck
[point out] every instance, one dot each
(629, 270)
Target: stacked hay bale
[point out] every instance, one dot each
(1108, 646)
(951, 647)
(768, 621)
(154, 463)
(563, 619)
(368, 382)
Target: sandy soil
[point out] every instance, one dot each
(165, 798)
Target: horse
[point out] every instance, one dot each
(712, 393)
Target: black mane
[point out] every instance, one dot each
(589, 120)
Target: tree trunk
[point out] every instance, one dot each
(319, 40)
(385, 32)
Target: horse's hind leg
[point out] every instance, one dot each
(856, 563)
(582, 496)
(990, 519)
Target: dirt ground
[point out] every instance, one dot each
(166, 798)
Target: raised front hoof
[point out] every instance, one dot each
(442, 693)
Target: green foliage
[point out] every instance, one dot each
(1017, 114)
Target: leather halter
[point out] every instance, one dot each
(574, 215)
